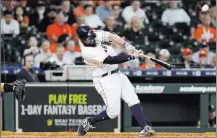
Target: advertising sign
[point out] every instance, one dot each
(176, 88)
(60, 108)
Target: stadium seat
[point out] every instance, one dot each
(194, 22)
(175, 53)
(212, 46)
(183, 27)
(193, 14)
(148, 12)
(157, 25)
(118, 30)
(174, 59)
(158, 11)
(153, 37)
(5, 57)
(19, 43)
(149, 4)
(23, 31)
(16, 57)
(148, 49)
(167, 30)
(176, 49)
(164, 43)
(177, 38)
(193, 44)
(9, 49)
(149, 16)
(154, 17)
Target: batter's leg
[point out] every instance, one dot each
(110, 90)
(129, 96)
(100, 117)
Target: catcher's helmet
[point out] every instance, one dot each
(86, 34)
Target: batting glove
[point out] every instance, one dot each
(136, 53)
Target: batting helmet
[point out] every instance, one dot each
(86, 34)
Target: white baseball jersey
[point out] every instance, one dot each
(94, 56)
(112, 87)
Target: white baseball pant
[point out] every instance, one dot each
(114, 87)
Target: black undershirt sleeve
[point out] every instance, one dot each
(121, 58)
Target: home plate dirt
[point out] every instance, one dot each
(100, 135)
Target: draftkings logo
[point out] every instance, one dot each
(49, 122)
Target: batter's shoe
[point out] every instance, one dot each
(147, 132)
(85, 127)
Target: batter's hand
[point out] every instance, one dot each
(136, 53)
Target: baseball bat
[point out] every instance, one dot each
(159, 62)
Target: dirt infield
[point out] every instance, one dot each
(100, 135)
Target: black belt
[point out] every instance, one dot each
(112, 72)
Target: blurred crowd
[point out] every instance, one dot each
(173, 31)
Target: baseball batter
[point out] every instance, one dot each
(18, 87)
(109, 82)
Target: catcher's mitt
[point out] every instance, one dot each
(19, 89)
